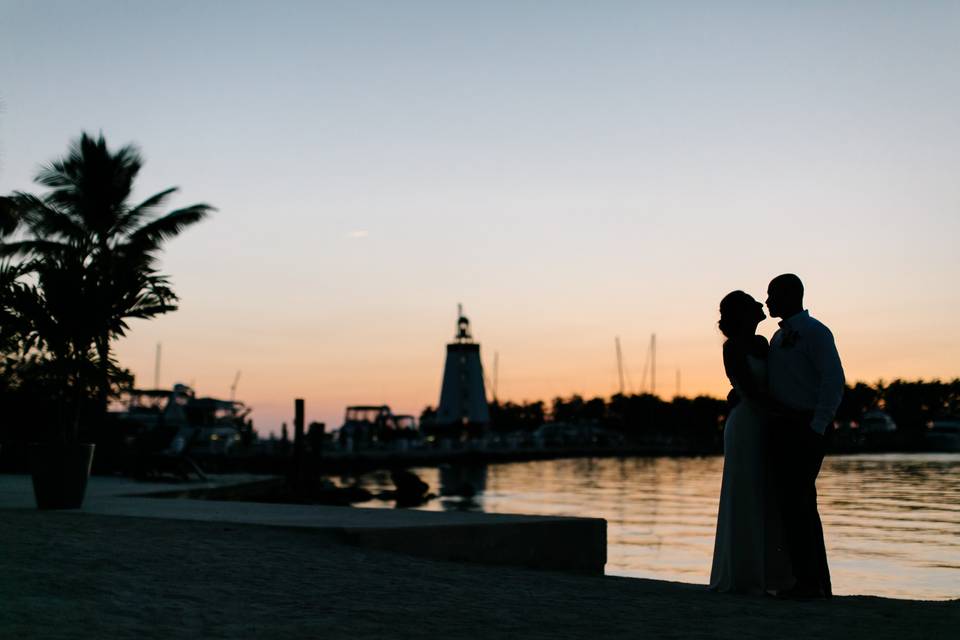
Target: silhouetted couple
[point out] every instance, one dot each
(769, 536)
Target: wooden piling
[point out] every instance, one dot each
(299, 472)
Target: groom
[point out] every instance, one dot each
(806, 377)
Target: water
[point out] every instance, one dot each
(892, 522)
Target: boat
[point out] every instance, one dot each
(943, 435)
(877, 422)
(176, 421)
(374, 426)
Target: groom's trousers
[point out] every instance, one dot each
(800, 456)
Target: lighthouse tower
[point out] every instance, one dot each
(463, 400)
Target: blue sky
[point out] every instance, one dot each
(569, 171)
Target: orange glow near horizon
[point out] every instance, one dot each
(332, 371)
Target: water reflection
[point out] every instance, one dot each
(462, 486)
(892, 522)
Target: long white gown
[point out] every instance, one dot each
(747, 553)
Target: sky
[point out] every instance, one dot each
(569, 171)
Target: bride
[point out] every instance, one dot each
(747, 552)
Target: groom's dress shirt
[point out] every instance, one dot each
(804, 369)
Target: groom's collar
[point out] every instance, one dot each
(789, 322)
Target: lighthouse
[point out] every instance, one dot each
(463, 400)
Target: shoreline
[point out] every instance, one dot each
(338, 461)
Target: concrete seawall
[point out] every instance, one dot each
(564, 544)
(541, 542)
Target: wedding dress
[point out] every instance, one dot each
(747, 555)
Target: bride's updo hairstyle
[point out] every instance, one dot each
(736, 309)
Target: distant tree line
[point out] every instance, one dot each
(911, 403)
(642, 417)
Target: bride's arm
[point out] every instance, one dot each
(738, 371)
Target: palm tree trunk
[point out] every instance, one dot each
(73, 433)
(69, 427)
(59, 432)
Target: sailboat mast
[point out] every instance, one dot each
(619, 363)
(156, 369)
(653, 364)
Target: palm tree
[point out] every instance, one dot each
(11, 288)
(95, 254)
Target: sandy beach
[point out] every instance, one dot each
(93, 576)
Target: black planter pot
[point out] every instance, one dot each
(60, 473)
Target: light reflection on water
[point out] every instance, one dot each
(892, 522)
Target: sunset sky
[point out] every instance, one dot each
(569, 171)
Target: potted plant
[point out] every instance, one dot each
(91, 259)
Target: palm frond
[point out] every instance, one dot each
(34, 248)
(10, 272)
(132, 218)
(149, 311)
(46, 218)
(30, 209)
(57, 174)
(9, 220)
(150, 235)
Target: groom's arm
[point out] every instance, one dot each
(826, 360)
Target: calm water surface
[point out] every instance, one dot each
(892, 522)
